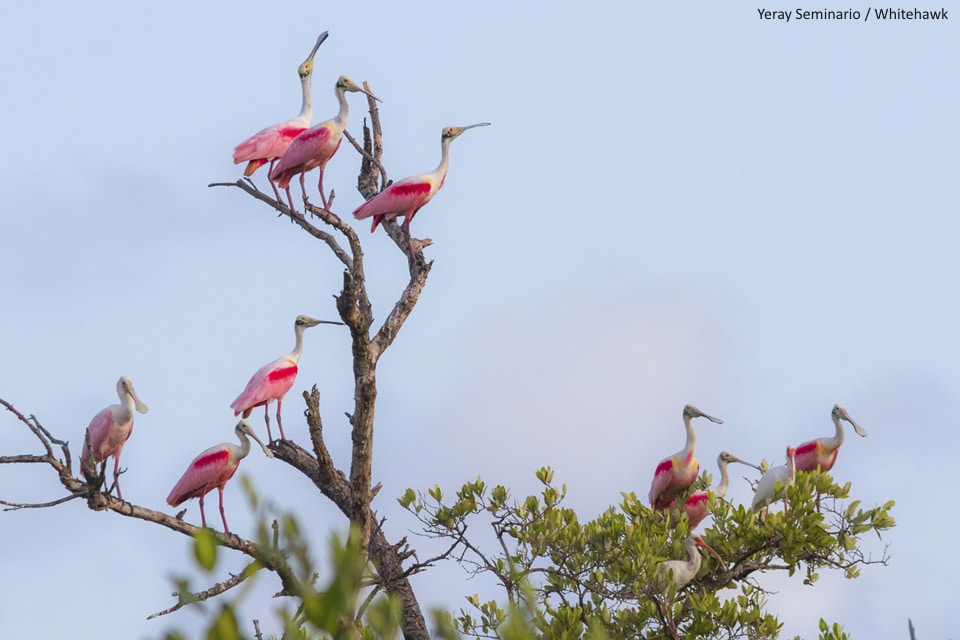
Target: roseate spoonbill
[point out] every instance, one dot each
(822, 452)
(272, 381)
(271, 143)
(697, 505)
(773, 484)
(315, 146)
(406, 197)
(678, 472)
(680, 572)
(109, 430)
(212, 469)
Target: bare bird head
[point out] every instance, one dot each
(306, 68)
(449, 133)
(690, 411)
(243, 427)
(346, 84)
(840, 413)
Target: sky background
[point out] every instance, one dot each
(675, 204)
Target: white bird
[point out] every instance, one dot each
(697, 505)
(679, 572)
(774, 483)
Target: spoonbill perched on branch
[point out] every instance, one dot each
(314, 147)
(110, 429)
(678, 472)
(212, 469)
(272, 381)
(271, 143)
(822, 452)
(697, 505)
(406, 197)
(773, 485)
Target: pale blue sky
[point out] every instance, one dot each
(673, 205)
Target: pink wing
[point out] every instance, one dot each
(272, 381)
(268, 144)
(98, 429)
(696, 508)
(209, 470)
(811, 454)
(661, 483)
(308, 150)
(397, 199)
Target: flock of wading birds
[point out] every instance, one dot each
(294, 147)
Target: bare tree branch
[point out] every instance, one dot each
(215, 590)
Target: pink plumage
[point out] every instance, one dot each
(677, 472)
(314, 147)
(270, 143)
(272, 381)
(406, 197)
(822, 452)
(403, 198)
(212, 469)
(110, 429)
(267, 145)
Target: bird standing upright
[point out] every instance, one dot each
(272, 142)
(212, 469)
(110, 429)
(272, 381)
(315, 146)
(678, 471)
(767, 488)
(697, 505)
(406, 197)
(822, 452)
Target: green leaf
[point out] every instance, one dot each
(205, 548)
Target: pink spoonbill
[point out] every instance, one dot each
(679, 573)
(822, 452)
(271, 143)
(697, 505)
(272, 381)
(212, 469)
(314, 147)
(676, 473)
(406, 197)
(110, 429)
(773, 484)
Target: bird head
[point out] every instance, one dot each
(125, 387)
(690, 411)
(306, 68)
(243, 427)
(703, 545)
(728, 457)
(307, 321)
(346, 84)
(449, 133)
(840, 413)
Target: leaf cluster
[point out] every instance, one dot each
(578, 578)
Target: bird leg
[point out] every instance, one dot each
(266, 417)
(116, 475)
(406, 227)
(293, 209)
(223, 516)
(279, 422)
(203, 517)
(303, 189)
(272, 183)
(323, 196)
